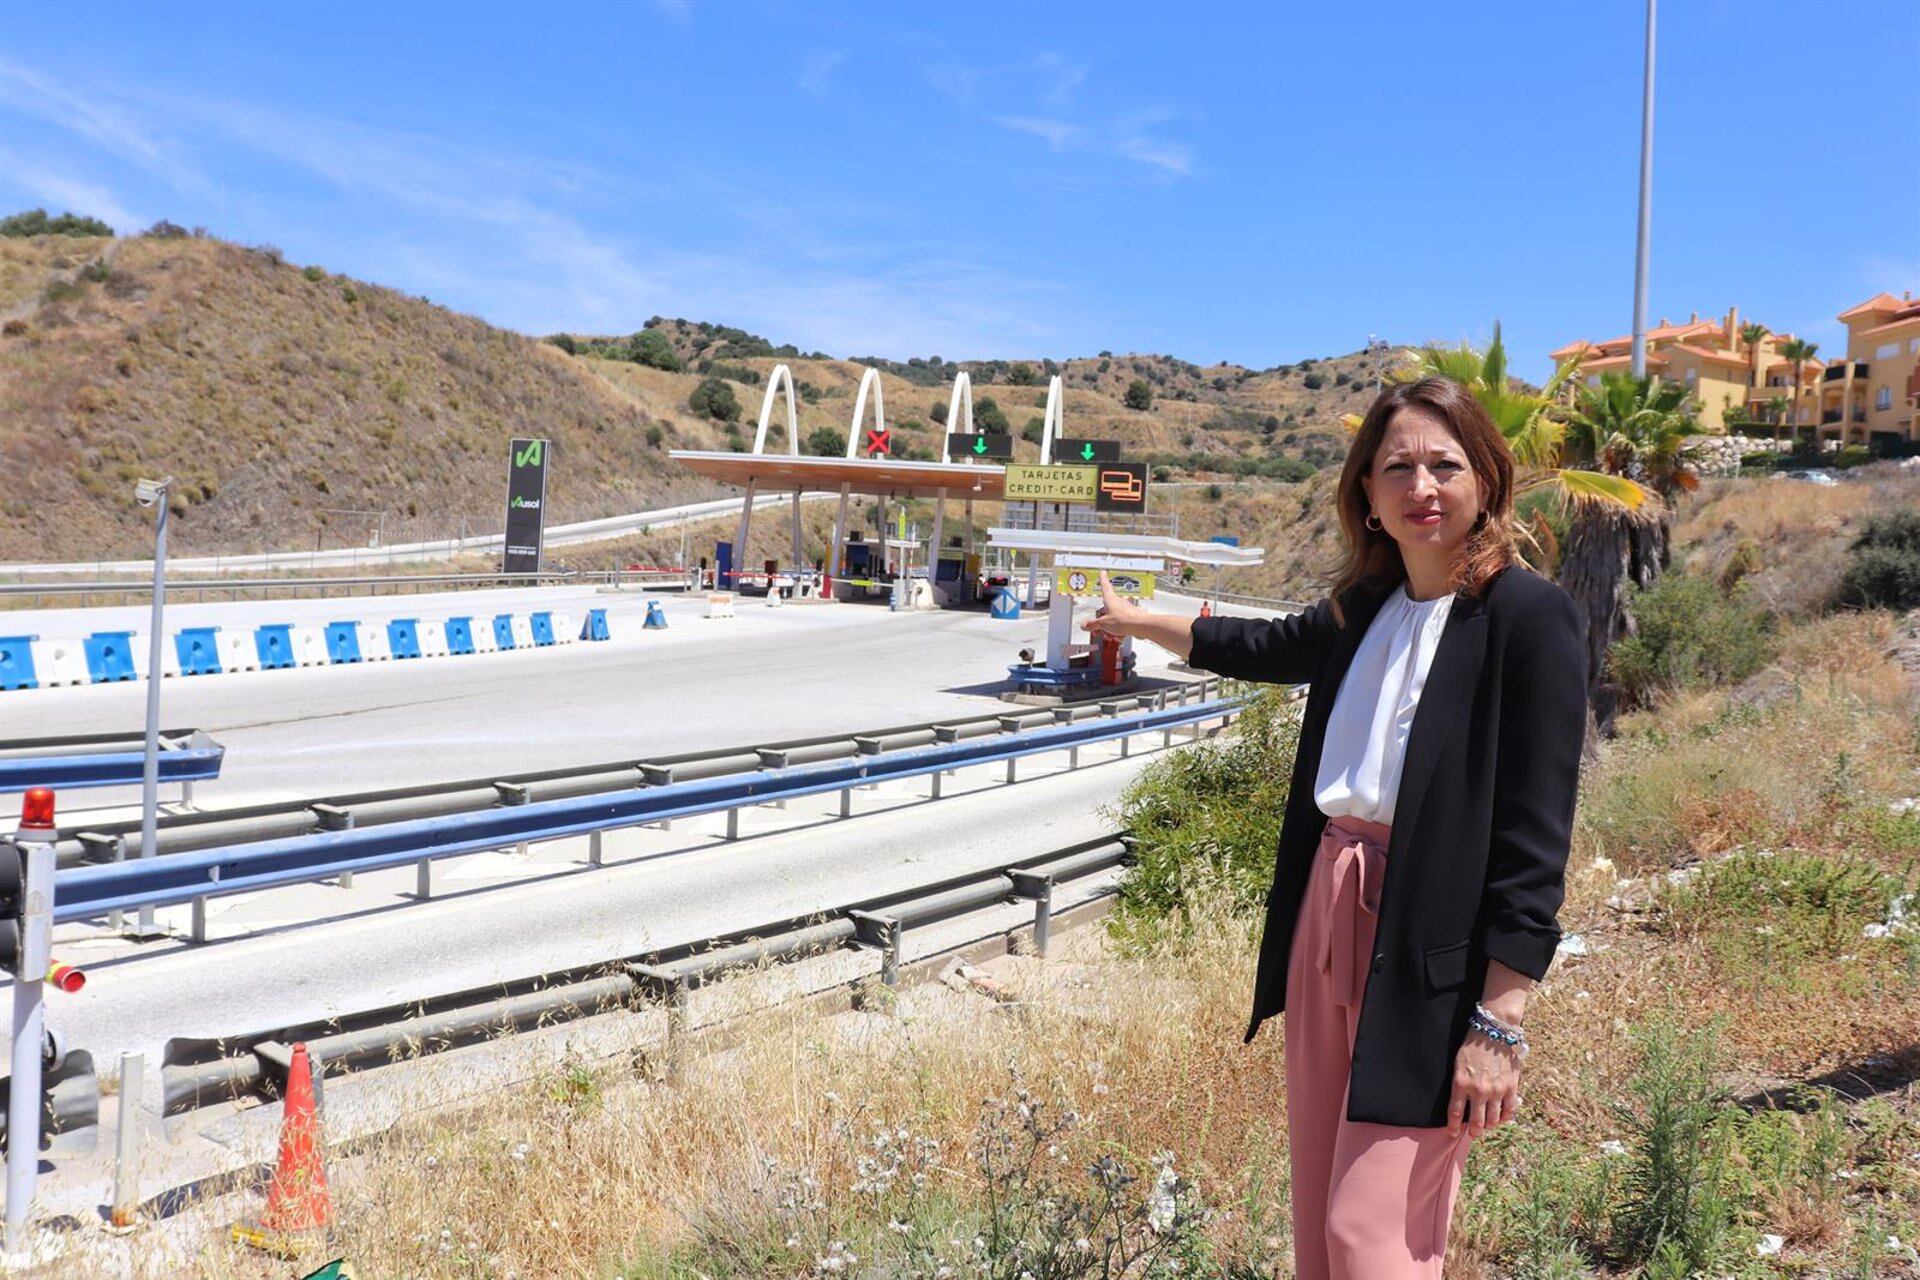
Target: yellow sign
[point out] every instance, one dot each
(1029, 483)
(1086, 582)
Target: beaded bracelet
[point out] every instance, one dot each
(1494, 1029)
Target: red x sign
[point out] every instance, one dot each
(879, 442)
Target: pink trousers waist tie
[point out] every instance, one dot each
(1355, 851)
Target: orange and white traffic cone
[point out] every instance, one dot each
(297, 1201)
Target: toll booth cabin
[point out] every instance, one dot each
(866, 565)
(1133, 562)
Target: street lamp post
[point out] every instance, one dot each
(1646, 208)
(153, 493)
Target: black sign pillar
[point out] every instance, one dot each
(526, 505)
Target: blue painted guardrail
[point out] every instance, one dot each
(116, 761)
(85, 892)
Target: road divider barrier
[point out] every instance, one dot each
(720, 604)
(107, 657)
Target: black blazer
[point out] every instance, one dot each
(1482, 820)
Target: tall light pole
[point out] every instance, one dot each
(153, 493)
(1646, 208)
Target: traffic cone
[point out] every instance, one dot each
(298, 1199)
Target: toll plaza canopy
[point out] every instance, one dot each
(878, 476)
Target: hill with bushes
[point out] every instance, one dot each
(297, 407)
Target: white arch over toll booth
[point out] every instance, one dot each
(870, 384)
(780, 378)
(1050, 428)
(959, 409)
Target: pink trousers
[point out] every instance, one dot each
(1370, 1201)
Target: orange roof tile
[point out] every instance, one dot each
(1878, 302)
(1707, 353)
(1912, 314)
(1572, 348)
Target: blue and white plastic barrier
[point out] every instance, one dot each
(105, 657)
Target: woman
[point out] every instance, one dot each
(1422, 855)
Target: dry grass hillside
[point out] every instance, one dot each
(288, 402)
(275, 394)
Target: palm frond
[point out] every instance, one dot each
(1584, 487)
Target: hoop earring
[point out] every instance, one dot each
(1373, 522)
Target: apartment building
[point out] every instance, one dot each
(1709, 358)
(1870, 394)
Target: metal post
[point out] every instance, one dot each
(144, 926)
(596, 856)
(423, 879)
(1646, 208)
(126, 1165)
(733, 824)
(29, 1031)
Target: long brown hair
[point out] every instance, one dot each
(1372, 559)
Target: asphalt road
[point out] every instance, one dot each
(702, 683)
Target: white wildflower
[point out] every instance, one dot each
(1160, 1206)
(1769, 1245)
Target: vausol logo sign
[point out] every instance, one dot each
(526, 506)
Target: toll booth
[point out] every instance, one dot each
(1132, 562)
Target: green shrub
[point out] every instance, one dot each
(1853, 455)
(654, 436)
(564, 341)
(938, 412)
(1883, 564)
(1021, 374)
(1213, 493)
(653, 349)
(1691, 636)
(1035, 428)
(713, 398)
(1205, 817)
(1139, 394)
(1675, 1215)
(825, 442)
(1759, 460)
(165, 230)
(1314, 381)
(1105, 365)
(35, 222)
(988, 416)
(317, 274)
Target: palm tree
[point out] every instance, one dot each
(1799, 350)
(1752, 334)
(1608, 512)
(1638, 429)
(1777, 410)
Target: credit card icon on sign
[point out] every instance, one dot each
(1121, 486)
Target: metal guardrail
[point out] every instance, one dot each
(202, 1071)
(195, 1068)
(176, 588)
(87, 892)
(181, 832)
(107, 760)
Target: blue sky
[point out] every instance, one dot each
(1257, 183)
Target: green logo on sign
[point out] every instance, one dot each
(979, 444)
(530, 456)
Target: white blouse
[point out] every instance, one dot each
(1366, 740)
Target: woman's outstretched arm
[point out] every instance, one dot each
(1276, 650)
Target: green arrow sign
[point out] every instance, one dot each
(980, 444)
(1083, 451)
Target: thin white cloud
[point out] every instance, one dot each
(1168, 157)
(109, 125)
(816, 71)
(65, 192)
(1058, 134)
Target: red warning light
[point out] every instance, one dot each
(36, 810)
